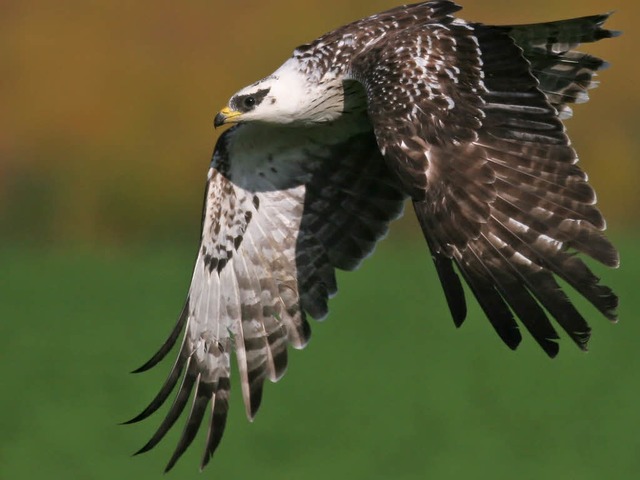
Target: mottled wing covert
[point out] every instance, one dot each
(461, 119)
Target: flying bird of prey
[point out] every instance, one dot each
(462, 119)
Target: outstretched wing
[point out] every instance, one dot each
(462, 120)
(283, 209)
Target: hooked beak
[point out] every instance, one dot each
(226, 115)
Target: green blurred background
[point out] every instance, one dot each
(105, 137)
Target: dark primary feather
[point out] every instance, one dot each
(465, 120)
(565, 75)
(485, 157)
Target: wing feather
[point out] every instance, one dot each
(204, 392)
(175, 410)
(272, 331)
(219, 408)
(169, 343)
(476, 140)
(272, 238)
(564, 74)
(251, 326)
(508, 282)
(541, 283)
(176, 371)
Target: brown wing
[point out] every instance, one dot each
(460, 118)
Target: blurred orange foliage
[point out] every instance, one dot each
(107, 106)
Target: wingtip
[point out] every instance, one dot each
(551, 347)
(513, 346)
(205, 460)
(140, 369)
(174, 459)
(251, 414)
(153, 361)
(138, 418)
(253, 405)
(603, 66)
(602, 32)
(511, 337)
(615, 261)
(581, 339)
(459, 318)
(169, 343)
(145, 448)
(172, 462)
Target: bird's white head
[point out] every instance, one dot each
(286, 96)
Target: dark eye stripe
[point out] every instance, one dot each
(243, 103)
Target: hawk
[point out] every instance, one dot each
(462, 119)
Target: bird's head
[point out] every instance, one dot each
(255, 102)
(284, 97)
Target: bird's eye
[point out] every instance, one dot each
(249, 102)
